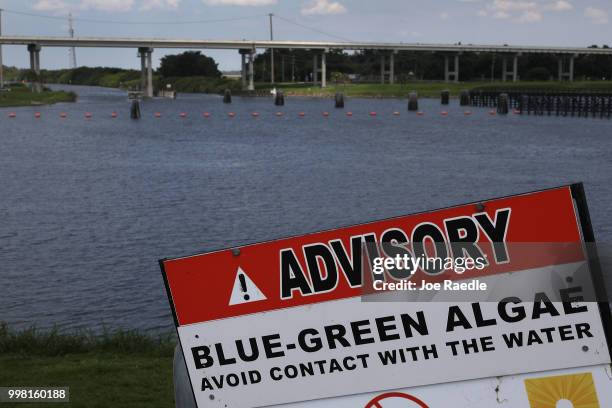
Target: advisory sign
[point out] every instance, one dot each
(287, 321)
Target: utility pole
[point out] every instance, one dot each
(71, 50)
(271, 51)
(1, 66)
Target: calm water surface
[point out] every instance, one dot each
(89, 206)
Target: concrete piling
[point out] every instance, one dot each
(413, 101)
(279, 99)
(339, 100)
(445, 97)
(135, 109)
(546, 102)
(227, 96)
(503, 104)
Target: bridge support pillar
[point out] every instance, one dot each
(34, 50)
(323, 70)
(150, 73)
(569, 74)
(383, 68)
(243, 67)
(510, 74)
(315, 69)
(455, 72)
(243, 75)
(146, 71)
(251, 70)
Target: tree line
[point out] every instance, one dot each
(298, 65)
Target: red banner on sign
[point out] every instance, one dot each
(327, 265)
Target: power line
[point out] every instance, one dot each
(312, 29)
(178, 22)
(89, 20)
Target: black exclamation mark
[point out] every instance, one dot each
(243, 286)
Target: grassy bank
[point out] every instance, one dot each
(113, 369)
(19, 95)
(429, 89)
(198, 84)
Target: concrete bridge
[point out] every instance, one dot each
(248, 48)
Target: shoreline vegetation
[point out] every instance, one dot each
(114, 368)
(19, 95)
(426, 89)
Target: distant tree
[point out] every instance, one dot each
(538, 74)
(339, 77)
(189, 63)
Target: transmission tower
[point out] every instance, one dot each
(71, 50)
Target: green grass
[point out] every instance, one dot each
(22, 96)
(114, 369)
(428, 89)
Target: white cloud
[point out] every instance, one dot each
(444, 16)
(159, 4)
(513, 5)
(502, 15)
(524, 11)
(597, 16)
(56, 6)
(560, 5)
(108, 5)
(323, 7)
(530, 16)
(240, 2)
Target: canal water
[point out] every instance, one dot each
(89, 205)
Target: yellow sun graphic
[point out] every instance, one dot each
(578, 389)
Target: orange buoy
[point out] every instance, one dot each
(516, 111)
(158, 114)
(467, 113)
(231, 114)
(396, 113)
(444, 113)
(372, 113)
(254, 114)
(37, 115)
(63, 115)
(183, 114)
(279, 114)
(206, 114)
(420, 113)
(88, 115)
(492, 112)
(326, 114)
(349, 113)
(302, 114)
(113, 114)
(12, 115)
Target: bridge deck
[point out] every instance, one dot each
(314, 45)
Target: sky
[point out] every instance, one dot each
(515, 22)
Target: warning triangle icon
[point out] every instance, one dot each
(244, 290)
